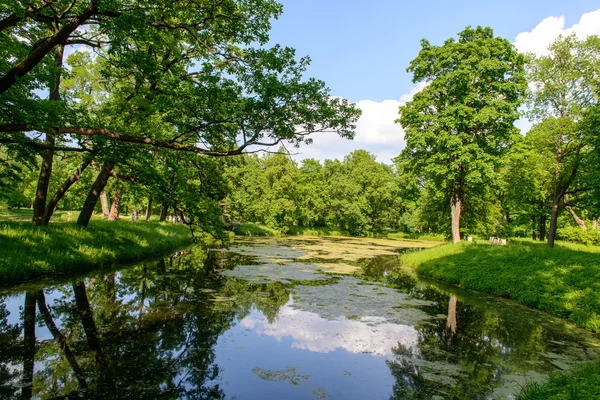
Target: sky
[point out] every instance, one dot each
(361, 49)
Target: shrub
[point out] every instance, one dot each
(577, 235)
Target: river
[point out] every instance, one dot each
(294, 318)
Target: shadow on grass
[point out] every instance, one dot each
(564, 281)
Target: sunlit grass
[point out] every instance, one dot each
(564, 281)
(28, 252)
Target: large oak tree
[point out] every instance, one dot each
(459, 124)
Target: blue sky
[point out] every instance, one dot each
(361, 49)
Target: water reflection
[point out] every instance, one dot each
(189, 326)
(309, 331)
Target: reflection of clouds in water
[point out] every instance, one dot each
(311, 332)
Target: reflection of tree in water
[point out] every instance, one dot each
(147, 332)
(10, 349)
(466, 354)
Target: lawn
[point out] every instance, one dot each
(564, 281)
(30, 252)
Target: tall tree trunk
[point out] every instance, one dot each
(595, 223)
(104, 202)
(92, 198)
(554, 216)
(543, 227)
(60, 193)
(87, 320)
(115, 205)
(149, 209)
(163, 211)
(28, 345)
(451, 322)
(533, 224)
(60, 339)
(41, 193)
(455, 207)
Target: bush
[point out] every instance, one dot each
(577, 235)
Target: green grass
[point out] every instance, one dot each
(321, 231)
(581, 383)
(421, 236)
(63, 247)
(564, 281)
(254, 229)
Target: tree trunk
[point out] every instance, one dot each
(554, 217)
(115, 205)
(41, 193)
(39, 204)
(94, 193)
(60, 193)
(163, 211)
(542, 228)
(455, 207)
(578, 220)
(60, 339)
(149, 209)
(28, 346)
(533, 232)
(104, 202)
(595, 223)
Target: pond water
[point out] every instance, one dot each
(297, 318)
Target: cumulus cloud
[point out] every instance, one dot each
(539, 38)
(376, 132)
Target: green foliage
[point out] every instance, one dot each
(564, 282)
(459, 124)
(565, 87)
(65, 248)
(353, 195)
(581, 383)
(577, 235)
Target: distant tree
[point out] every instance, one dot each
(565, 86)
(456, 128)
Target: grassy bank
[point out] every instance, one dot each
(564, 281)
(30, 252)
(582, 383)
(255, 229)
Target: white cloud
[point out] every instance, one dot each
(376, 132)
(538, 39)
(311, 332)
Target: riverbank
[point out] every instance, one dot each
(582, 383)
(564, 281)
(31, 252)
(255, 229)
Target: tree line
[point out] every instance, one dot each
(161, 101)
(156, 91)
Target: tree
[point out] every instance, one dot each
(565, 84)
(179, 81)
(461, 122)
(527, 182)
